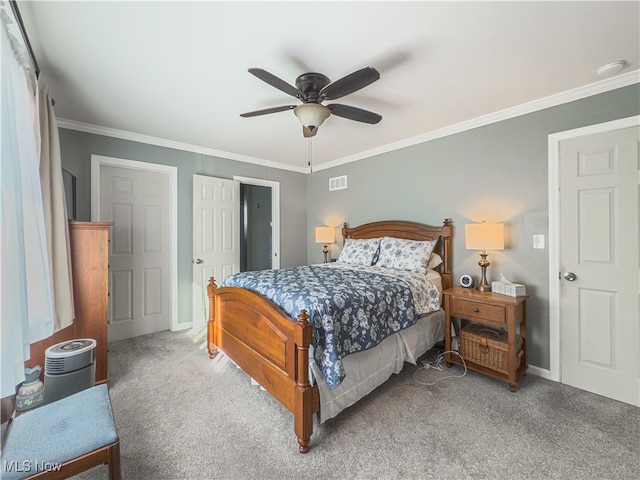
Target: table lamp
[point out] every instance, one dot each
(325, 235)
(484, 236)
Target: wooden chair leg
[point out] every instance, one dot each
(114, 462)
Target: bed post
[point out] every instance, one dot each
(211, 343)
(345, 225)
(303, 404)
(447, 275)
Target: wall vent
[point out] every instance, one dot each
(338, 183)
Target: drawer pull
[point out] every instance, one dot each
(476, 310)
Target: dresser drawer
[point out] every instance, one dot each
(480, 311)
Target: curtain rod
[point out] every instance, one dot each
(16, 12)
(23, 31)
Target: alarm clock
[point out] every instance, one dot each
(466, 281)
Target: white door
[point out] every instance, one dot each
(216, 237)
(600, 284)
(138, 202)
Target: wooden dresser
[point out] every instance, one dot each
(90, 267)
(89, 243)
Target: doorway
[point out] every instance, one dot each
(255, 227)
(262, 233)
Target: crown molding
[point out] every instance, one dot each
(161, 142)
(602, 86)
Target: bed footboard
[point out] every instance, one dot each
(269, 346)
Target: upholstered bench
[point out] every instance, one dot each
(63, 438)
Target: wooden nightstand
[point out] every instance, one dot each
(493, 310)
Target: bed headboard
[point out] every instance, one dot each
(410, 231)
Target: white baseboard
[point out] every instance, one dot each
(181, 326)
(541, 372)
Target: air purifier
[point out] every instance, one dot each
(69, 367)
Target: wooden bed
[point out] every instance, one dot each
(273, 348)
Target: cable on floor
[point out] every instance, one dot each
(437, 364)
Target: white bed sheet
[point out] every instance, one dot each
(371, 368)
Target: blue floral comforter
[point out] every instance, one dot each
(352, 308)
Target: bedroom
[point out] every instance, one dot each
(507, 180)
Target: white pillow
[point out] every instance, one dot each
(401, 254)
(360, 251)
(434, 261)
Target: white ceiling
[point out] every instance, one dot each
(176, 72)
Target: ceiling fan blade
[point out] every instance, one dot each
(307, 132)
(349, 83)
(268, 110)
(353, 113)
(274, 81)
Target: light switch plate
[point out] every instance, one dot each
(538, 241)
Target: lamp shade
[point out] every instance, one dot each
(325, 235)
(311, 115)
(484, 236)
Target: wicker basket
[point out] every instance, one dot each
(487, 347)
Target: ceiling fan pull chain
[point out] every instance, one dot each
(310, 153)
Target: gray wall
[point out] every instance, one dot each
(77, 148)
(497, 173)
(494, 173)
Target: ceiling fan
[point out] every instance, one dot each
(313, 89)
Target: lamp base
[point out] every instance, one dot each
(483, 286)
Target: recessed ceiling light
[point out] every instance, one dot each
(612, 68)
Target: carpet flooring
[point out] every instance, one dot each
(182, 416)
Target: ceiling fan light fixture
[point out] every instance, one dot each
(311, 115)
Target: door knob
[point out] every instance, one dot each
(198, 261)
(570, 276)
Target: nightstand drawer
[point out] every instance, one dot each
(480, 311)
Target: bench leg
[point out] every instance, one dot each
(114, 462)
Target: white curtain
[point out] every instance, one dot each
(26, 308)
(55, 211)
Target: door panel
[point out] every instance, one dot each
(138, 202)
(597, 212)
(216, 237)
(596, 327)
(600, 312)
